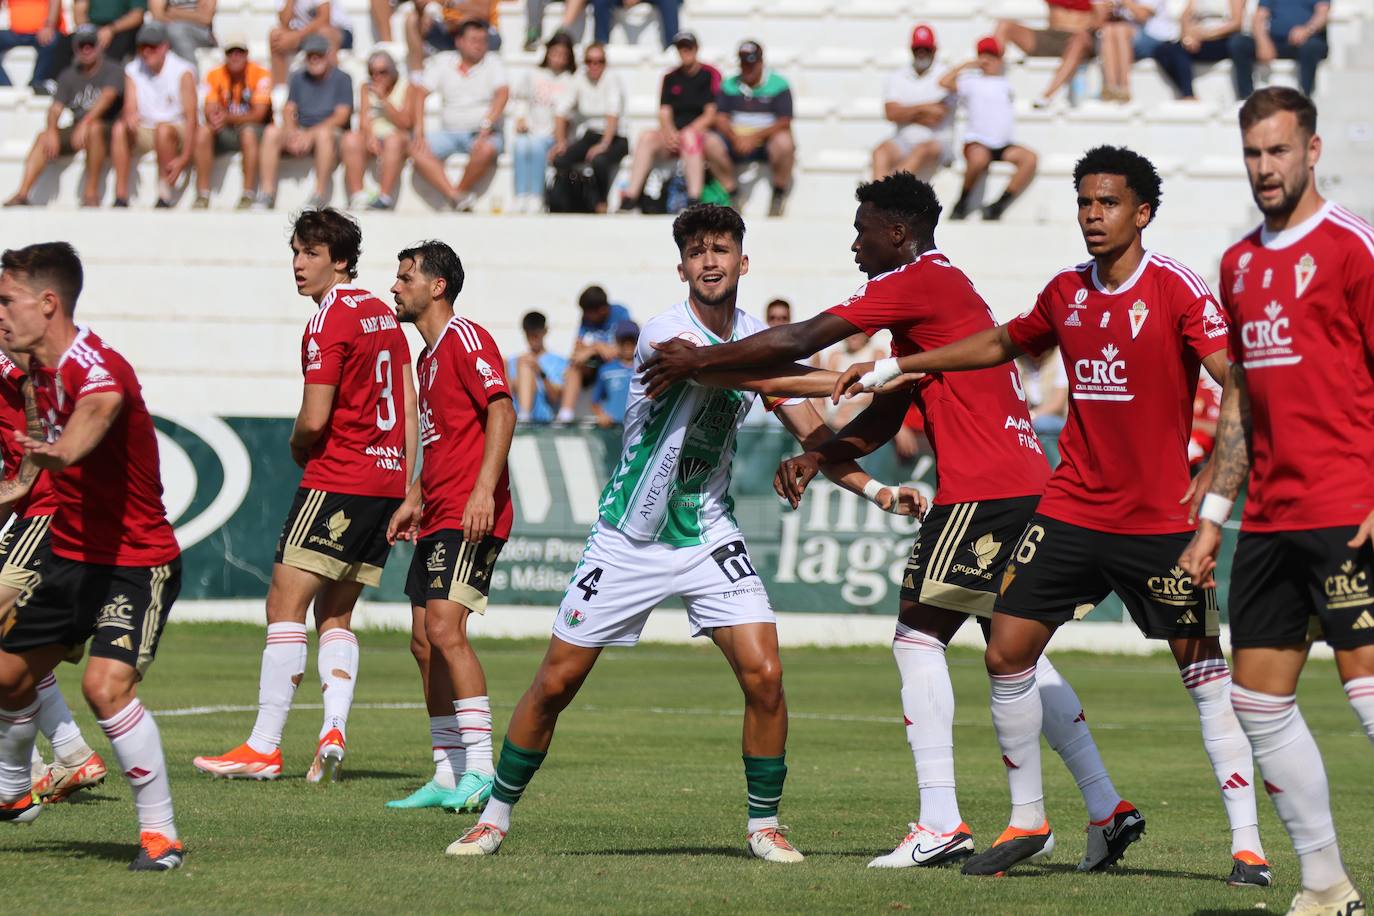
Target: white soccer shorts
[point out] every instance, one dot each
(621, 580)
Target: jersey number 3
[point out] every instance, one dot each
(386, 403)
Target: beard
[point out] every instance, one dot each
(1288, 202)
(726, 294)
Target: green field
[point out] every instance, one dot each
(640, 806)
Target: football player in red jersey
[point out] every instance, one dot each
(1297, 418)
(27, 494)
(991, 471)
(356, 438)
(458, 514)
(1133, 327)
(115, 567)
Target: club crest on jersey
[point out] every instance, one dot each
(1303, 272)
(1079, 298)
(1073, 321)
(574, 618)
(1138, 313)
(1213, 322)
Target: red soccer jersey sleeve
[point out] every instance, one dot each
(1033, 329)
(479, 363)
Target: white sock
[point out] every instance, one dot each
(283, 666)
(1209, 684)
(1066, 729)
(928, 710)
(1295, 779)
(564, 415)
(760, 823)
(36, 763)
(447, 744)
(1360, 690)
(338, 663)
(474, 724)
(1017, 716)
(138, 747)
(18, 729)
(496, 813)
(57, 725)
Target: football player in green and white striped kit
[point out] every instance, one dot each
(667, 529)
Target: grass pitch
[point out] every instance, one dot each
(640, 806)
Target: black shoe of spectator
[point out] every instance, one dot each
(993, 211)
(777, 203)
(162, 204)
(628, 204)
(45, 87)
(961, 208)
(121, 202)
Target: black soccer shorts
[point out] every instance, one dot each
(121, 609)
(337, 535)
(1281, 580)
(1060, 572)
(957, 560)
(447, 568)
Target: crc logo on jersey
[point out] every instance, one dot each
(1079, 300)
(1101, 379)
(1303, 272)
(1268, 341)
(1175, 589)
(428, 432)
(438, 558)
(984, 551)
(489, 376)
(1213, 321)
(119, 614)
(312, 354)
(1348, 588)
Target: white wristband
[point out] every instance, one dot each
(873, 488)
(884, 371)
(1216, 508)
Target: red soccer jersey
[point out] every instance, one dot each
(457, 379)
(1301, 304)
(976, 422)
(355, 344)
(109, 504)
(1132, 357)
(40, 500)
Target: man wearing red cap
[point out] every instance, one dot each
(982, 86)
(914, 101)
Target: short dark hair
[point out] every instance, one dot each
(707, 219)
(335, 230)
(467, 24)
(1138, 171)
(437, 261)
(782, 302)
(534, 321)
(592, 297)
(1265, 103)
(905, 199)
(560, 38)
(51, 265)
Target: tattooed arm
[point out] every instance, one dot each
(1230, 467)
(17, 487)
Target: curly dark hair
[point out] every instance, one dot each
(903, 198)
(438, 262)
(1138, 171)
(333, 229)
(707, 219)
(48, 265)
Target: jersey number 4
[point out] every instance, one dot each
(386, 403)
(589, 582)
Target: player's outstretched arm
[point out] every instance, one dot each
(90, 421)
(789, 380)
(864, 434)
(677, 360)
(317, 403)
(977, 351)
(1230, 466)
(18, 486)
(479, 515)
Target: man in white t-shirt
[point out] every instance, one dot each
(981, 85)
(159, 115)
(914, 101)
(473, 92)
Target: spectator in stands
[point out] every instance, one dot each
(432, 27)
(981, 85)
(593, 108)
(1281, 29)
(118, 21)
(238, 108)
(753, 124)
(915, 100)
(36, 24)
(473, 93)
(190, 25)
(1115, 46)
(538, 373)
(853, 349)
(776, 312)
(1045, 384)
(611, 392)
(297, 20)
(91, 89)
(536, 107)
(1068, 36)
(388, 108)
(319, 107)
(159, 115)
(604, 12)
(595, 345)
(686, 112)
(534, 20)
(1200, 34)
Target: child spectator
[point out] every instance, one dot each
(238, 108)
(538, 373)
(612, 389)
(595, 345)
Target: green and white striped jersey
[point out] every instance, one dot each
(673, 479)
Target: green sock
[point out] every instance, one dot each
(764, 777)
(514, 771)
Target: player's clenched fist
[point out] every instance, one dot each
(794, 474)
